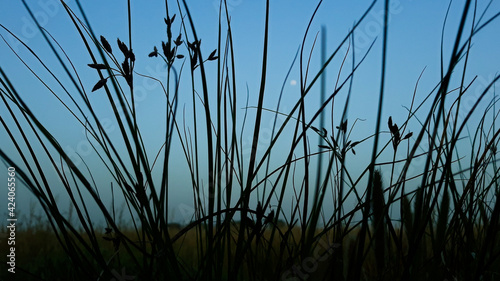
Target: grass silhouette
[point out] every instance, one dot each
(447, 228)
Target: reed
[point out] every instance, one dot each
(241, 229)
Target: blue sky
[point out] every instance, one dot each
(414, 44)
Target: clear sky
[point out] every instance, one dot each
(413, 44)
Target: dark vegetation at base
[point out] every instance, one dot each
(40, 257)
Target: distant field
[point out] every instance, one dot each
(40, 256)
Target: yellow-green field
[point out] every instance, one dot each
(40, 257)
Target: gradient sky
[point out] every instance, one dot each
(414, 44)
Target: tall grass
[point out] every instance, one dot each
(447, 228)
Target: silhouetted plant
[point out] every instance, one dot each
(447, 228)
